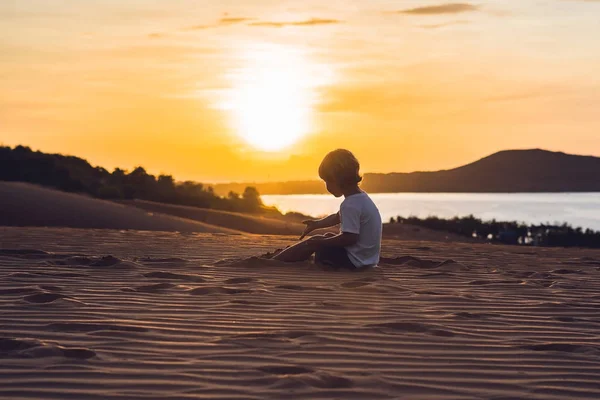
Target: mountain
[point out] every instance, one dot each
(506, 171)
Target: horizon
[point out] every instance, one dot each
(260, 91)
(214, 183)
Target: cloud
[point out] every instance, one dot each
(226, 21)
(222, 22)
(442, 25)
(234, 20)
(308, 22)
(450, 8)
(199, 27)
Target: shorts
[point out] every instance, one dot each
(334, 257)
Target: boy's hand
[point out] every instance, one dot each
(310, 226)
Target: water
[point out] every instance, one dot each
(577, 209)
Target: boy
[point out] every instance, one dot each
(359, 242)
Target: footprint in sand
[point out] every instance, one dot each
(562, 347)
(31, 348)
(19, 290)
(44, 298)
(158, 287)
(567, 271)
(285, 369)
(107, 261)
(201, 291)
(22, 252)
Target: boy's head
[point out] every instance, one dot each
(339, 169)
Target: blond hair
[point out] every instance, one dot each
(340, 166)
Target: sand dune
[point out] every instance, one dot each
(238, 221)
(101, 314)
(22, 204)
(271, 226)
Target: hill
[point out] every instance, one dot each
(23, 204)
(506, 171)
(74, 174)
(230, 220)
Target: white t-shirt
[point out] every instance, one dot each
(358, 214)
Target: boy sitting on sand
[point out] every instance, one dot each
(359, 242)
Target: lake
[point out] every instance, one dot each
(577, 209)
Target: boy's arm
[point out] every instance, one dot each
(311, 225)
(343, 239)
(331, 220)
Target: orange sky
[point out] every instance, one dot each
(197, 88)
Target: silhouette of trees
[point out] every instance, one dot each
(74, 174)
(509, 232)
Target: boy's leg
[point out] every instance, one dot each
(299, 252)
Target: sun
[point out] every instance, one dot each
(272, 96)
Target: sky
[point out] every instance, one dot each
(261, 90)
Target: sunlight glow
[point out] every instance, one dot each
(273, 96)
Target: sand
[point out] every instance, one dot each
(108, 314)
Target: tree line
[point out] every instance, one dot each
(509, 232)
(74, 174)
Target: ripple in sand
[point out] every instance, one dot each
(562, 347)
(91, 327)
(171, 275)
(47, 274)
(171, 260)
(297, 378)
(300, 288)
(358, 282)
(235, 281)
(412, 327)
(566, 319)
